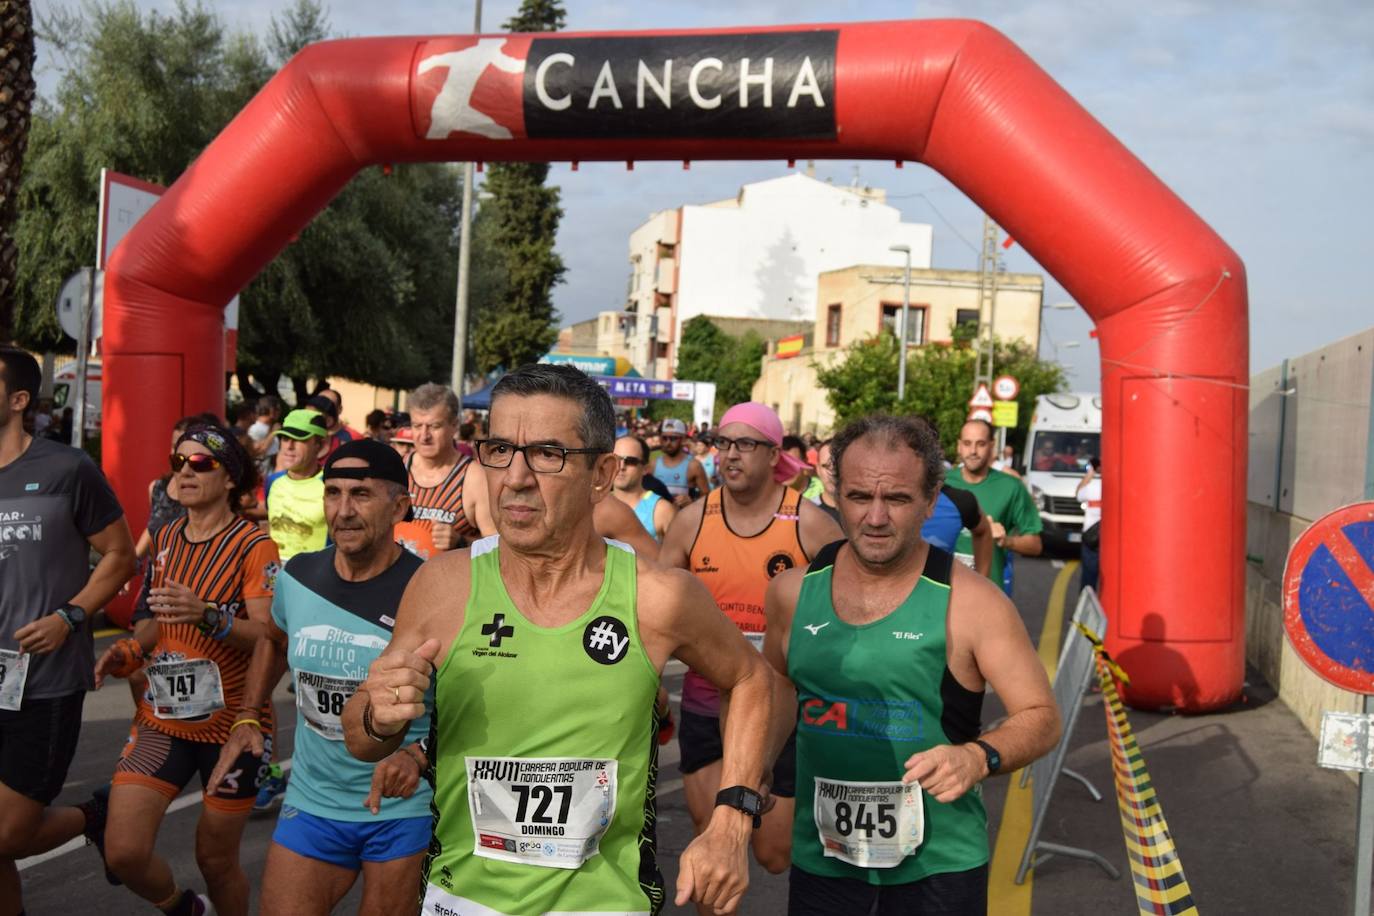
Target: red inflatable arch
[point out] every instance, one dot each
(1167, 294)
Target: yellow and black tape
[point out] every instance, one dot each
(1161, 889)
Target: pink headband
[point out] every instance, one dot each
(762, 418)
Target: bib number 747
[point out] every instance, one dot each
(868, 824)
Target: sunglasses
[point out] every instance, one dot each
(201, 464)
(630, 461)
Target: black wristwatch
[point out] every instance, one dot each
(994, 758)
(742, 798)
(210, 618)
(73, 615)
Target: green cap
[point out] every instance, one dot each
(302, 424)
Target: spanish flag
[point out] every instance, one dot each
(789, 347)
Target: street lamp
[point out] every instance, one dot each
(901, 331)
(460, 309)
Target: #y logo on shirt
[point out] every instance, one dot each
(605, 640)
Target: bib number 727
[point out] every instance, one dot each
(547, 811)
(868, 824)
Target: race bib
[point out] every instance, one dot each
(755, 640)
(186, 689)
(549, 811)
(321, 700)
(965, 558)
(14, 671)
(869, 824)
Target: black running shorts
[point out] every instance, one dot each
(166, 764)
(960, 893)
(37, 744)
(699, 743)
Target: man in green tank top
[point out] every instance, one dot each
(544, 646)
(1016, 523)
(889, 643)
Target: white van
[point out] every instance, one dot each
(64, 391)
(1065, 434)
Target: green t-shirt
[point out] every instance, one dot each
(1005, 499)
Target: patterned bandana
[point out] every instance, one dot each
(218, 442)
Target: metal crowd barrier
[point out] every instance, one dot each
(1072, 679)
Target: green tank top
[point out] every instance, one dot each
(869, 697)
(544, 751)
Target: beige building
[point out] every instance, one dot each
(605, 335)
(860, 301)
(752, 256)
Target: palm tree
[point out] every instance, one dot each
(16, 108)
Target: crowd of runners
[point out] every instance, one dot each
(475, 631)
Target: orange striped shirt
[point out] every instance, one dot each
(229, 569)
(440, 503)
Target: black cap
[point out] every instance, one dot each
(382, 462)
(324, 405)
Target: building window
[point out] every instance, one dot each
(969, 317)
(832, 326)
(916, 322)
(661, 349)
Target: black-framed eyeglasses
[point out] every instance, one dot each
(744, 444)
(630, 461)
(540, 458)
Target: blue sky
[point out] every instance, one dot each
(1260, 115)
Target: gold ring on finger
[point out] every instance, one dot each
(397, 692)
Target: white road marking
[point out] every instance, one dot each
(195, 798)
(1057, 564)
(186, 801)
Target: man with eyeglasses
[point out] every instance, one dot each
(544, 648)
(653, 512)
(678, 470)
(735, 541)
(446, 489)
(55, 508)
(295, 496)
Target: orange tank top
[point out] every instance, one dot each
(736, 570)
(440, 503)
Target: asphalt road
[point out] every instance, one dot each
(1259, 828)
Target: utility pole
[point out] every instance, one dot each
(987, 312)
(902, 325)
(987, 302)
(460, 312)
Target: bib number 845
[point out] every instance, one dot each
(848, 819)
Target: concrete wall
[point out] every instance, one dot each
(1309, 454)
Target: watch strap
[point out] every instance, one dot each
(993, 755)
(743, 799)
(67, 619)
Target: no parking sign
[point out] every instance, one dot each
(1328, 597)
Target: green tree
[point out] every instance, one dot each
(514, 321)
(708, 354)
(939, 382)
(16, 103)
(365, 291)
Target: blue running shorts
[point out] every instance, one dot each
(348, 844)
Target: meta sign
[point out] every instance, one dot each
(1328, 597)
(651, 389)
